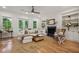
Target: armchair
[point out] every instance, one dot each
(60, 35)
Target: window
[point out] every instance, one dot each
(6, 23)
(20, 24)
(34, 24)
(26, 24)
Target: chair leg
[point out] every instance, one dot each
(63, 38)
(59, 40)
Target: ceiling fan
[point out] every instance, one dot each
(33, 11)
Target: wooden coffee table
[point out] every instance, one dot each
(38, 38)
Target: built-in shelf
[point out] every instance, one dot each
(72, 31)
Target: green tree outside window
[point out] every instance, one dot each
(6, 23)
(26, 24)
(21, 24)
(34, 24)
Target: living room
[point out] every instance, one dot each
(32, 29)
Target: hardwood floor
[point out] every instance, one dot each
(48, 45)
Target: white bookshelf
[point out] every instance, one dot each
(72, 33)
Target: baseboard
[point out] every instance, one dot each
(72, 40)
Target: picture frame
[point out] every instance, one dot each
(43, 24)
(51, 21)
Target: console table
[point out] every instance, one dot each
(1, 34)
(11, 32)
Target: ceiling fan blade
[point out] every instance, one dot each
(36, 12)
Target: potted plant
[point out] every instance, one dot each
(68, 25)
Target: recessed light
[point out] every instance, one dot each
(32, 13)
(26, 12)
(3, 6)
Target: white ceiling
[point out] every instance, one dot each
(44, 10)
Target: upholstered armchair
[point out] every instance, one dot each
(20, 34)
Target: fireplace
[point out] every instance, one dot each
(51, 30)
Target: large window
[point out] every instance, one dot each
(26, 24)
(23, 24)
(34, 24)
(20, 24)
(6, 23)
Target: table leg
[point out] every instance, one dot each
(1, 35)
(11, 34)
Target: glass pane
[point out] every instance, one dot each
(20, 24)
(26, 24)
(6, 23)
(34, 24)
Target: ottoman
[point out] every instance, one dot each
(27, 39)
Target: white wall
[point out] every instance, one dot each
(0, 23)
(74, 36)
(56, 16)
(70, 35)
(15, 17)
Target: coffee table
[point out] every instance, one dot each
(38, 38)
